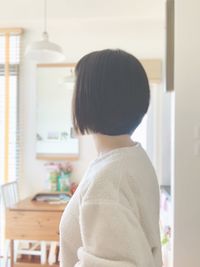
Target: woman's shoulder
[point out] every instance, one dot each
(102, 181)
(115, 174)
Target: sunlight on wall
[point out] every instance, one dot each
(140, 134)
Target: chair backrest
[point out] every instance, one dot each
(10, 193)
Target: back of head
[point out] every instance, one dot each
(111, 93)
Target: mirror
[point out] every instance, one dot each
(55, 136)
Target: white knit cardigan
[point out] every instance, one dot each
(113, 218)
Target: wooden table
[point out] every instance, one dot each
(32, 220)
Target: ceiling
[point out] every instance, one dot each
(22, 10)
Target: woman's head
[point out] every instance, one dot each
(111, 93)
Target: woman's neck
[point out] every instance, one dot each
(106, 143)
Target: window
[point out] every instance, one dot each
(9, 132)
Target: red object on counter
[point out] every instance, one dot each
(73, 187)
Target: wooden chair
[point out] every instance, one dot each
(10, 196)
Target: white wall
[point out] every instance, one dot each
(143, 38)
(166, 136)
(187, 165)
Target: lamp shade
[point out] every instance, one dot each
(45, 51)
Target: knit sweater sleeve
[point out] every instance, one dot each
(112, 237)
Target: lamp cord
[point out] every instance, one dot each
(45, 16)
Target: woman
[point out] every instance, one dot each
(113, 218)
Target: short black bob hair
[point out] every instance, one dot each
(111, 93)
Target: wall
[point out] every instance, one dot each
(144, 38)
(187, 110)
(166, 136)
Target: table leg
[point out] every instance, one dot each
(11, 253)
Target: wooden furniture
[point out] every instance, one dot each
(32, 220)
(10, 195)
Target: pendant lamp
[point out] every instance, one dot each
(45, 51)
